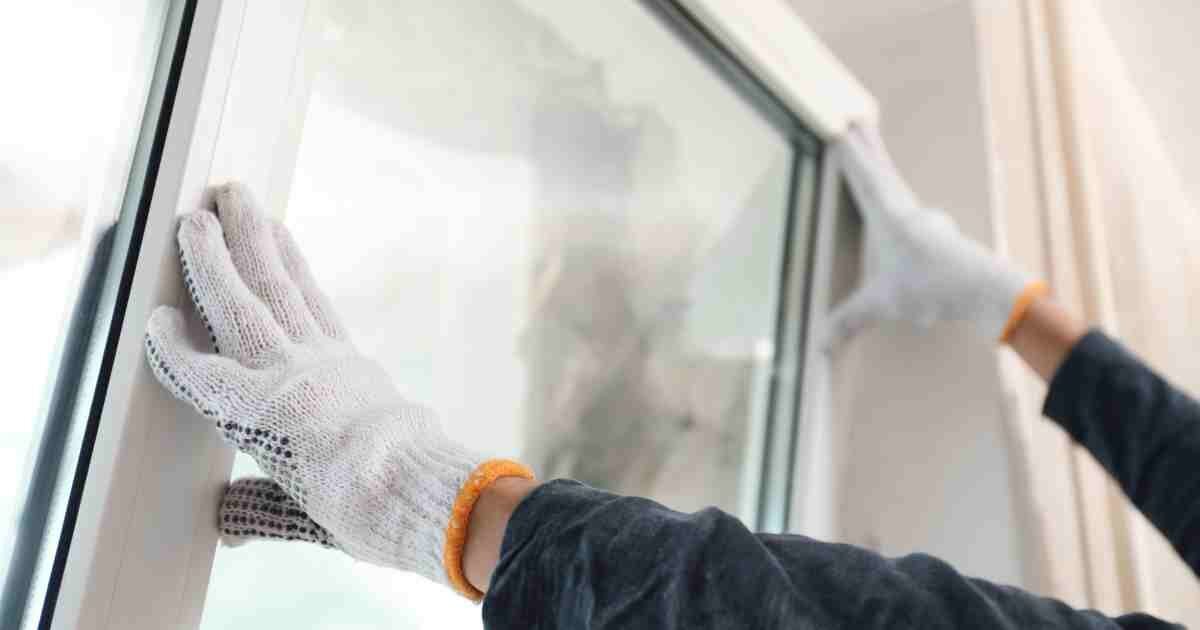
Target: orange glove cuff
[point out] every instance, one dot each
(460, 517)
(1025, 299)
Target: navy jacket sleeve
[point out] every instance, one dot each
(578, 558)
(1144, 431)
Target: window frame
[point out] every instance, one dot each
(797, 83)
(819, 457)
(144, 518)
(138, 456)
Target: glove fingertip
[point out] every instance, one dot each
(232, 191)
(194, 226)
(238, 214)
(838, 334)
(165, 318)
(164, 328)
(860, 311)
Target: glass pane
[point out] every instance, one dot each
(552, 222)
(77, 75)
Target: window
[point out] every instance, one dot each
(582, 232)
(75, 129)
(568, 236)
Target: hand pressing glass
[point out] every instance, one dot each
(356, 465)
(918, 267)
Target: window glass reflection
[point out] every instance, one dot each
(76, 75)
(554, 224)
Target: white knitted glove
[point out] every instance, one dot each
(917, 266)
(289, 389)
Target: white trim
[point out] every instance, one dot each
(790, 364)
(776, 45)
(139, 538)
(145, 541)
(818, 452)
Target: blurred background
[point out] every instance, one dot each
(554, 223)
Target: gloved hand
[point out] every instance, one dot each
(325, 422)
(918, 267)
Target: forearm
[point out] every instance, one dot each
(576, 557)
(1144, 432)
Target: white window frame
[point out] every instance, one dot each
(143, 543)
(772, 40)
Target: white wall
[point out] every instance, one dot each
(1158, 41)
(1159, 45)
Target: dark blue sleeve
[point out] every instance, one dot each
(1144, 432)
(578, 558)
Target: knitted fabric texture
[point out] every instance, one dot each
(287, 387)
(256, 508)
(918, 266)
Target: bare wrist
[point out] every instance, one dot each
(485, 531)
(1045, 336)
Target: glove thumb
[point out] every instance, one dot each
(863, 309)
(257, 508)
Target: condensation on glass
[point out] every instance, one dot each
(550, 221)
(77, 77)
